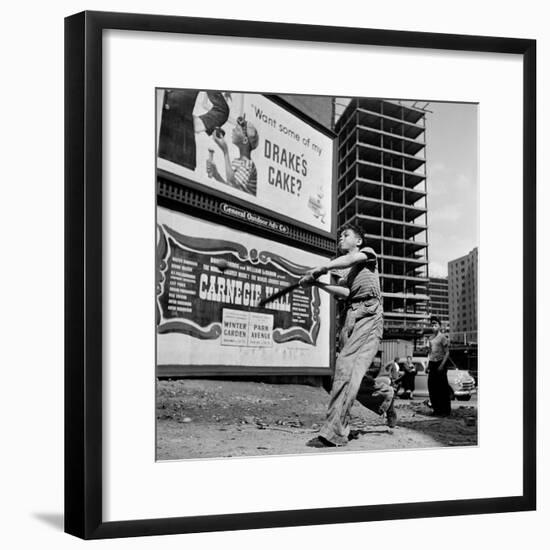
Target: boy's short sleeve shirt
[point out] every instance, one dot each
(438, 347)
(245, 175)
(362, 279)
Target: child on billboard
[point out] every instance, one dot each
(240, 172)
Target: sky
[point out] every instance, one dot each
(453, 186)
(452, 181)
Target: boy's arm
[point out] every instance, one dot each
(229, 171)
(366, 255)
(212, 171)
(340, 292)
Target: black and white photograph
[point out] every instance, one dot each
(275, 275)
(316, 274)
(285, 300)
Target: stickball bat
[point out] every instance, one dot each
(281, 292)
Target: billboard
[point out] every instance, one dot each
(249, 147)
(209, 281)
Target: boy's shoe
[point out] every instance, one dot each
(319, 442)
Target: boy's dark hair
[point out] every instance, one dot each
(434, 319)
(357, 229)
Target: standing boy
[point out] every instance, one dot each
(438, 385)
(359, 338)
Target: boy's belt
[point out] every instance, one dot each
(362, 299)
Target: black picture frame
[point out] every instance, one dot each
(84, 264)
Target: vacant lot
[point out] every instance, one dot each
(210, 418)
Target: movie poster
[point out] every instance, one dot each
(210, 280)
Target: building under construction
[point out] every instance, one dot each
(382, 186)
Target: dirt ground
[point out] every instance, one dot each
(213, 418)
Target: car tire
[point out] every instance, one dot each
(464, 398)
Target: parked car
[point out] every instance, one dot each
(462, 384)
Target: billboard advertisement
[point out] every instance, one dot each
(210, 280)
(248, 147)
